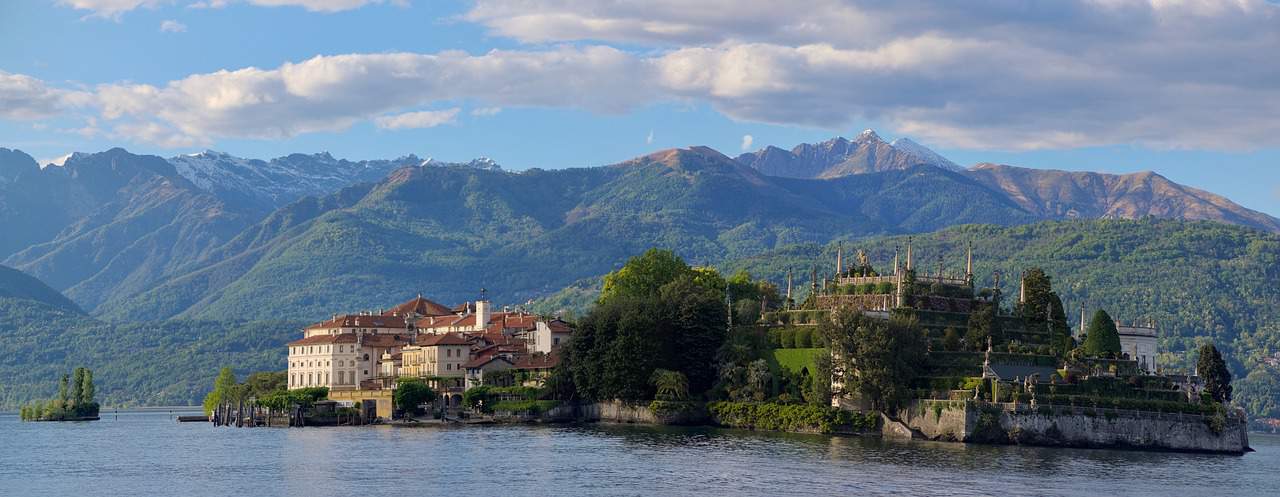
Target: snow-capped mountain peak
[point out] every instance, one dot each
(924, 154)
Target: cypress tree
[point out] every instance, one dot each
(1103, 338)
(87, 390)
(77, 386)
(63, 393)
(1213, 371)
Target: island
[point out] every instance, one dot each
(908, 352)
(75, 401)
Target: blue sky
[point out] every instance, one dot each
(1187, 89)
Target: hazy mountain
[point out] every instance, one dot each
(1055, 194)
(1044, 193)
(840, 157)
(112, 222)
(450, 231)
(271, 184)
(209, 235)
(18, 286)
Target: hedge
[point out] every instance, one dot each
(790, 417)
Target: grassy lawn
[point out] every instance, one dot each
(795, 359)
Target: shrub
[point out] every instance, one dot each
(789, 417)
(534, 407)
(803, 338)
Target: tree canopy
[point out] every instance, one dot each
(1213, 371)
(410, 393)
(879, 358)
(1102, 339)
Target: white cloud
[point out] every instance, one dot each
(113, 9)
(172, 26)
(746, 142)
(110, 9)
(23, 97)
(648, 140)
(486, 111)
(984, 74)
(331, 93)
(420, 119)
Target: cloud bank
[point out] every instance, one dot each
(984, 74)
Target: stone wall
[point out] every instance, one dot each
(620, 412)
(1062, 426)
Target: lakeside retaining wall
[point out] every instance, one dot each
(979, 422)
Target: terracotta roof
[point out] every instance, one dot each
(538, 361)
(360, 321)
(481, 361)
(445, 339)
(370, 340)
(559, 326)
(433, 322)
(419, 306)
(326, 339)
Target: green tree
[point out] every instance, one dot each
(819, 391)
(1214, 373)
(410, 393)
(880, 357)
(643, 275)
(951, 340)
(1039, 295)
(77, 383)
(224, 387)
(64, 395)
(1060, 331)
(983, 325)
(1103, 339)
(87, 390)
(670, 385)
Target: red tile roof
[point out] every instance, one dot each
(360, 321)
(445, 339)
(370, 340)
(481, 361)
(538, 361)
(419, 306)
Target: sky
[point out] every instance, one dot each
(1189, 89)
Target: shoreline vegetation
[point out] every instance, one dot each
(909, 355)
(75, 401)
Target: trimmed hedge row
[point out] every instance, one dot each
(805, 418)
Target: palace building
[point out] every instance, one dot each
(451, 347)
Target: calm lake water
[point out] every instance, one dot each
(147, 453)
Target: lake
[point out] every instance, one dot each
(148, 453)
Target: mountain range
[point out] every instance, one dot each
(211, 236)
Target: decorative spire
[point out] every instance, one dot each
(1022, 288)
(839, 259)
(1081, 319)
(908, 268)
(788, 285)
(968, 265)
(896, 268)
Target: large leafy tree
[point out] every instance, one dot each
(983, 325)
(1103, 339)
(224, 387)
(1213, 371)
(410, 393)
(656, 313)
(643, 275)
(879, 357)
(1039, 295)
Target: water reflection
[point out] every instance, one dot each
(150, 454)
